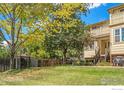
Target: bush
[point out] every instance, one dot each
(79, 62)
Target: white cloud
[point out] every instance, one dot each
(95, 5)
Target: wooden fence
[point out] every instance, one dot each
(19, 62)
(25, 62)
(49, 62)
(4, 64)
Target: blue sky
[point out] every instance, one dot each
(98, 12)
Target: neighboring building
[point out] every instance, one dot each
(108, 35)
(3, 44)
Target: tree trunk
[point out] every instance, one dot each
(12, 52)
(64, 55)
(79, 56)
(12, 56)
(83, 55)
(11, 61)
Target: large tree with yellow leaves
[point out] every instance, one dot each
(65, 30)
(19, 22)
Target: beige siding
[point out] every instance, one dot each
(103, 30)
(116, 48)
(116, 17)
(89, 53)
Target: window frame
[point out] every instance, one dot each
(122, 10)
(120, 34)
(117, 35)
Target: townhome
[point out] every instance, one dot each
(108, 36)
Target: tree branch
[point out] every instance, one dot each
(2, 35)
(19, 14)
(5, 16)
(18, 32)
(9, 13)
(25, 40)
(5, 29)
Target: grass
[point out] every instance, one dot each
(103, 63)
(64, 75)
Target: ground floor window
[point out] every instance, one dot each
(122, 32)
(119, 35)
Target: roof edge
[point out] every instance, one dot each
(99, 23)
(115, 7)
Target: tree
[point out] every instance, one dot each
(64, 28)
(18, 22)
(34, 45)
(81, 40)
(3, 50)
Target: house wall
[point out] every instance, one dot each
(101, 30)
(101, 43)
(105, 30)
(98, 43)
(89, 53)
(116, 48)
(117, 16)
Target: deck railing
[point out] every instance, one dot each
(89, 53)
(117, 18)
(100, 31)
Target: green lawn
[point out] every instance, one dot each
(64, 75)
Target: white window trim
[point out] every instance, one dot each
(117, 35)
(120, 35)
(120, 31)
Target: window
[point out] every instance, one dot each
(92, 45)
(122, 33)
(117, 35)
(95, 27)
(122, 10)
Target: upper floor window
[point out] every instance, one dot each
(95, 27)
(119, 35)
(122, 10)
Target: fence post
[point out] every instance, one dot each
(0, 64)
(4, 64)
(19, 62)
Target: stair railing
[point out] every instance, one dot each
(106, 54)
